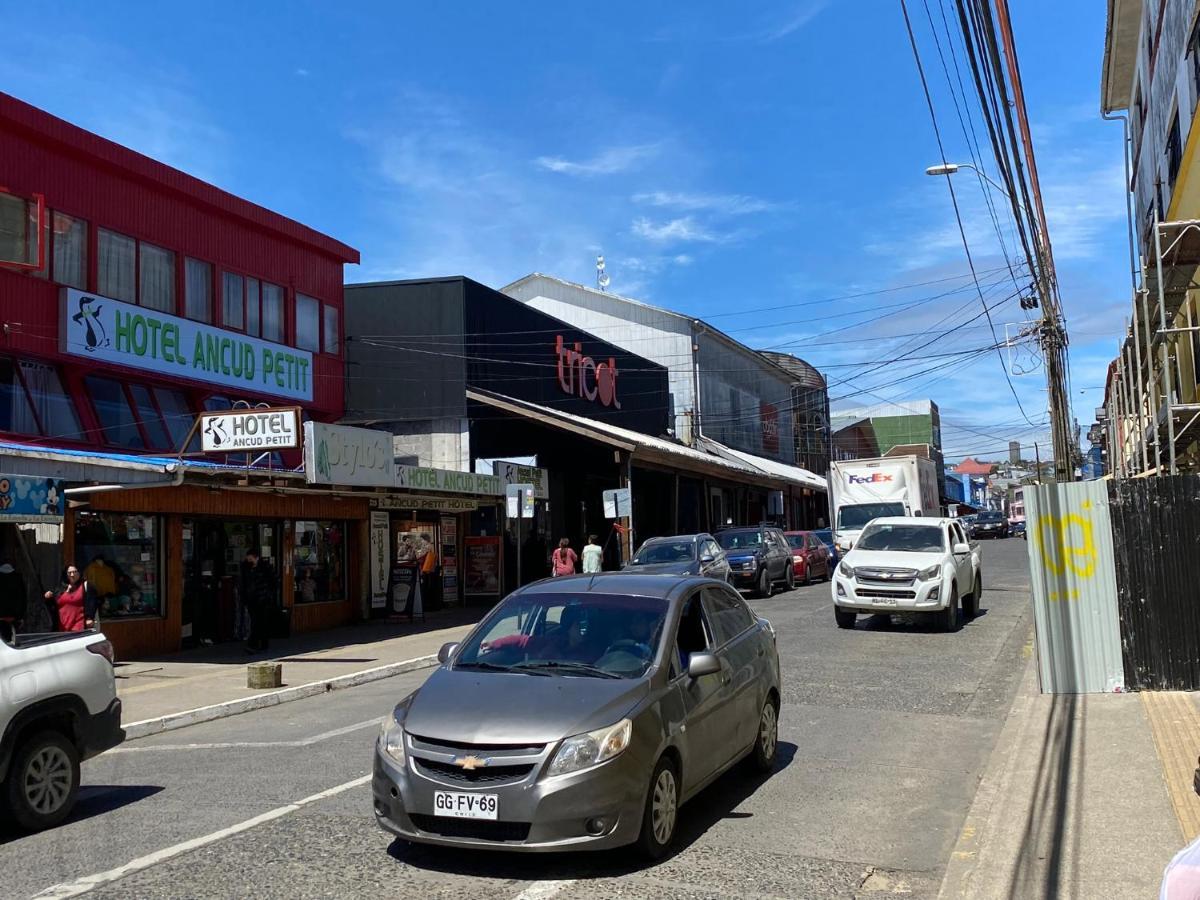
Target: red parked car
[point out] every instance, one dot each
(810, 556)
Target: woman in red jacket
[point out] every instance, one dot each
(74, 602)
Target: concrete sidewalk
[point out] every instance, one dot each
(1078, 800)
(210, 682)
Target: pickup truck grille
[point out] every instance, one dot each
(885, 576)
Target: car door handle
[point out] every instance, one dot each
(761, 651)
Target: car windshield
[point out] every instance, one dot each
(588, 635)
(861, 513)
(906, 538)
(989, 517)
(665, 552)
(796, 541)
(825, 536)
(740, 540)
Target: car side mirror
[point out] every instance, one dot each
(446, 651)
(707, 558)
(962, 549)
(701, 664)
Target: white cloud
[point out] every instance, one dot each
(303, 73)
(612, 161)
(682, 259)
(724, 204)
(679, 230)
(796, 18)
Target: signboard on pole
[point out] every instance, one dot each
(342, 454)
(250, 430)
(617, 504)
(515, 473)
(379, 559)
(520, 500)
(447, 480)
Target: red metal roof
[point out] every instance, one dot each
(970, 466)
(44, 127)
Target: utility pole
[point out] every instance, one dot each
(1052, 333)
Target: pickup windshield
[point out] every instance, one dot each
(860, 514)
(905, 538)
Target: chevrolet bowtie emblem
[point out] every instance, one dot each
(469, 763)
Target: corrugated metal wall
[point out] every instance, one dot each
(1074, 588)
(1156, 524)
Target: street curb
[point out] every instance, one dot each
(147, 727)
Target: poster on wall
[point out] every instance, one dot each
(481, 566)
(449, 556)
(27, 499)
(379, 559)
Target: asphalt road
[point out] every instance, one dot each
(884, 732)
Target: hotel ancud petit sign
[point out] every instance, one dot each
(100, 328)
(250, 430)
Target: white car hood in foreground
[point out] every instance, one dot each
(893, 559)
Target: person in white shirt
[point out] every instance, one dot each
(593, 556)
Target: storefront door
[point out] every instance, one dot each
(213, 554)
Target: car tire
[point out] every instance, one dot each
(845, 617)
(661, 815)
(43, 781)
(762, 584)
(766, 739)
(947, 619)
(789, 580)
(970, 603)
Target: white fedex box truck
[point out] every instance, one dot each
(865, 489)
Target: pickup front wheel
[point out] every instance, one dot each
(42, 781)
(947, 619)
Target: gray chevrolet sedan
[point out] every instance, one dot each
(579, 714)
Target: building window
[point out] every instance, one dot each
(116, 266)
(331, 340)
(1174, 152)
(18, 230)
(16, 413)
(152, 423)
(233, 301)
(198, 290)
(122, 559)
(319, 561)
(177, 415)
(253, 319)
(156, 278)
(70, 251)
(51, 404)
(117, 420)
(308, 323)
(272, 312)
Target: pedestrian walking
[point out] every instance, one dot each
(74, 603)
(593, 555)
(562, 560)
(259, 600)
(12, 601)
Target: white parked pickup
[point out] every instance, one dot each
(909, 565)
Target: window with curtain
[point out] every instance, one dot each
(70, 251)
(116, 266)
(332, 344)
(308, 323)
(157, 278)
(51, 402)
(252, 303)
(233, 301)
(117, 420)
(15, 412)
(272, 312)
(197, 298)
(16, 239)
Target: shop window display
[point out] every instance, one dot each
(319, 561)
(120, 557)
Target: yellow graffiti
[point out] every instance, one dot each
(1066, 543)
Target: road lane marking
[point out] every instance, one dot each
(241, 745)
(544, 890)
(89, 882)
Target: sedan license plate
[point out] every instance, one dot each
(465, 806)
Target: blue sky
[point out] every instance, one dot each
(745, 163)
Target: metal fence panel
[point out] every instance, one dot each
(1156, 527)
(1074, 588)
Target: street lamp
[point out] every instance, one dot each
(949, 169)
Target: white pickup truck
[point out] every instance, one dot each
(909, 565)
(58, 707)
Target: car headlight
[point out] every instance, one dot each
(847, 570)
(391, 737)
(592, 748)
(931, 573)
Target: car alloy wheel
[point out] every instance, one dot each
(43, 781)
(664, 806)
(47, 780)
(767, 744)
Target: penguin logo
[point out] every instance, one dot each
(215, 429)
(96, 337)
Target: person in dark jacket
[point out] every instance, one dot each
(13, 601)
(259, 598)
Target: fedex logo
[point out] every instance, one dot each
(873, 478)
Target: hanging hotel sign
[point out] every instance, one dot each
(515, 473)
(341, 454)
(248, 430)
(422, 478)
(107, 330)
(24, 498)
(426, 504)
